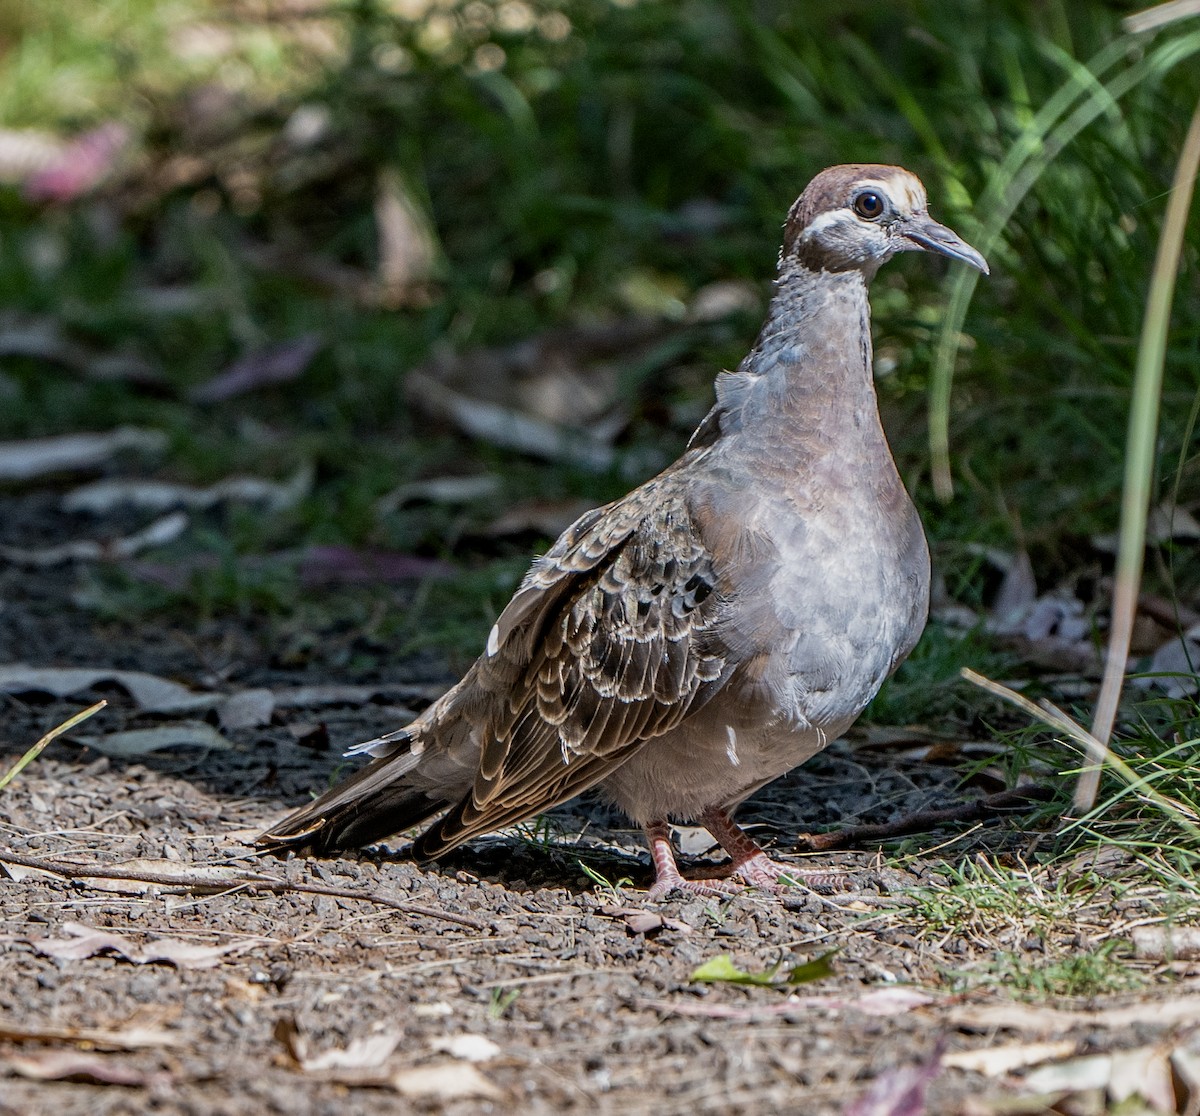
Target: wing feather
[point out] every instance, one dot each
(612, 639)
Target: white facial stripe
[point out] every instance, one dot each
(905, 191)
(828, 220)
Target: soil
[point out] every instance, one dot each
(590, 1007)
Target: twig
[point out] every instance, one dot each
(981, 809)
(250, 881)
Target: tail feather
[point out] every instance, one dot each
(372, 804)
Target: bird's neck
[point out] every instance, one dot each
(808, 377)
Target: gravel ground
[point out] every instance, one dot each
(507, 978)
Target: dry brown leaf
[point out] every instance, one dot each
(367, 1052)
(444, 1081)
(74, 1065)
(106, 496)
(141, 742)
(992, 1061)
(1047, 1020)
(152, 693)
(1167, 943)
(159, 533)
(127, 1038)
(1144, 1072)
(467, 1047)
(275, 364)
(67, 453)
(87, 941)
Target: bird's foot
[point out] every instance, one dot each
(666, 872)
(665, 886)
(760, 871)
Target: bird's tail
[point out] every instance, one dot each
(372, 804)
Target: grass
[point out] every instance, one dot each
(1038, 931)
(578, 161)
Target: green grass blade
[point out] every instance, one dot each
(1139, 455)
(1051, 130)
(40, 746)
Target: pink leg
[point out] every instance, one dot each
(666, 871)
(751, 863)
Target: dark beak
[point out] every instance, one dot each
(927, 235)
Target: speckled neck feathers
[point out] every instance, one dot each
(809, 371)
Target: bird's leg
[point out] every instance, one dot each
(752, 864)
(666, 870)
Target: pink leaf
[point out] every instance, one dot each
(276, 364)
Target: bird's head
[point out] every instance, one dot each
(857, 216)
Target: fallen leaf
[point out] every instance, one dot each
(992, 1061)
(645, 922)
(104, 496)
(509, 428)
(127, 1038)
(345, 565)
(1144, 1072)
(1186, 1064)
(440, 490)
(1015, 1016)
(1175, 666)
(1017, 592)
(543, 517)
(901, 1091)
(247, 709)
(1167, 943)
(275, 364)
(73, 1065)
(65, 453)
(467, 1047)
(444, 1081)
(893, 1000)
(1165, 522)
(365, 1052)
(722, 970)
(159, 533)
(141, 742)
(152, 693)
(87, 941)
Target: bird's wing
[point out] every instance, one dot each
(612, 639)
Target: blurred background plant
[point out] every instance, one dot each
(462, 268)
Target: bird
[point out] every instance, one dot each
(683, 646)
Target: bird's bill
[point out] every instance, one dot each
(927, 235)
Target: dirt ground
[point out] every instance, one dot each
(397, 975)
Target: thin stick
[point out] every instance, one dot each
(40, 746)
(251, 881)
(991, 806)
(1139, 454)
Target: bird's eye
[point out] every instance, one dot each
(869, 204)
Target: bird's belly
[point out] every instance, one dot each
(709, 761)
